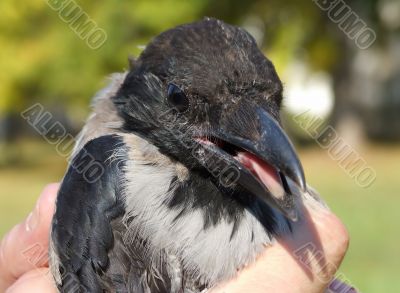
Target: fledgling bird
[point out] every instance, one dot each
(182, 175)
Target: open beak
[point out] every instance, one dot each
(262, 165)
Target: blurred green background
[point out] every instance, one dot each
(357, 91)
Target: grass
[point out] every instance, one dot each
(34, 164)
(370, 214)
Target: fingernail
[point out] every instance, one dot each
(32, 220)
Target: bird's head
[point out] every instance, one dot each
(206, 96)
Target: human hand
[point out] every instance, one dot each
(282, 267)
(303, 261)
(23, 251)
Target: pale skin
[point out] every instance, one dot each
(304, 261)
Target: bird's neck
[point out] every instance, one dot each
(173, 209)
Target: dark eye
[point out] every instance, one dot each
(177, 98)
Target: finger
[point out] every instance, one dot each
(317, 246)
(284, 266)
(36, 281)
(25, 246)
(318, 242)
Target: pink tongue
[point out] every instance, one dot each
(265, 172)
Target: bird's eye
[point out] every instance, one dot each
(177, 98)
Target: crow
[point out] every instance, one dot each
(182, 175)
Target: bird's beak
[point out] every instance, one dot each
(262, 164)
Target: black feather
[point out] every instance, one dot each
(81, 231)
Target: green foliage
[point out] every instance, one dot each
(44, 60)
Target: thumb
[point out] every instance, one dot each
(25, 247)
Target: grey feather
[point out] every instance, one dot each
(156, 247)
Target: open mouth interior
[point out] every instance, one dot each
(272, 179)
